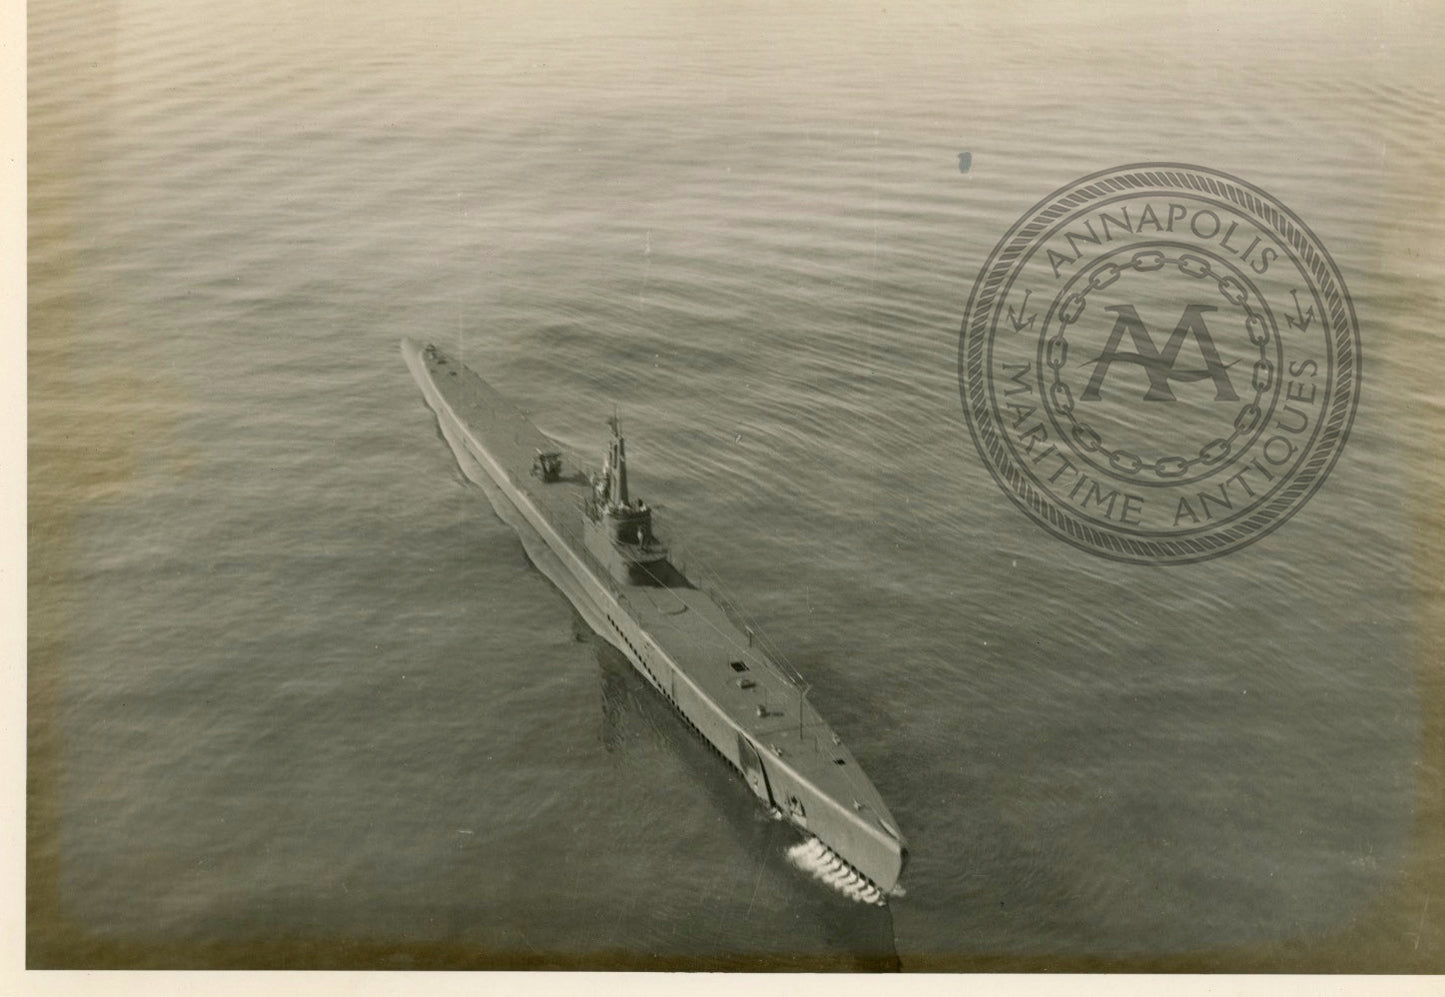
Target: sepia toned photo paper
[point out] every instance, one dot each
(941, 488)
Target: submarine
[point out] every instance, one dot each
(594, 539)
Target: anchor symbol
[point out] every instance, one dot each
(1015, 317)
(1305, 318)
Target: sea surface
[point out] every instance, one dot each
(296, 695)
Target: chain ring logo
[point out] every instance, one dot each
(1160, 363)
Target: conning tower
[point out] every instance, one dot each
(618, 528)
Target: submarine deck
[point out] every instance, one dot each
(694, 641)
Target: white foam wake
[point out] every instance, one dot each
(812, 856)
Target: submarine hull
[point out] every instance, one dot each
(678, 638)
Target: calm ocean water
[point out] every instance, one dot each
(297, 696)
